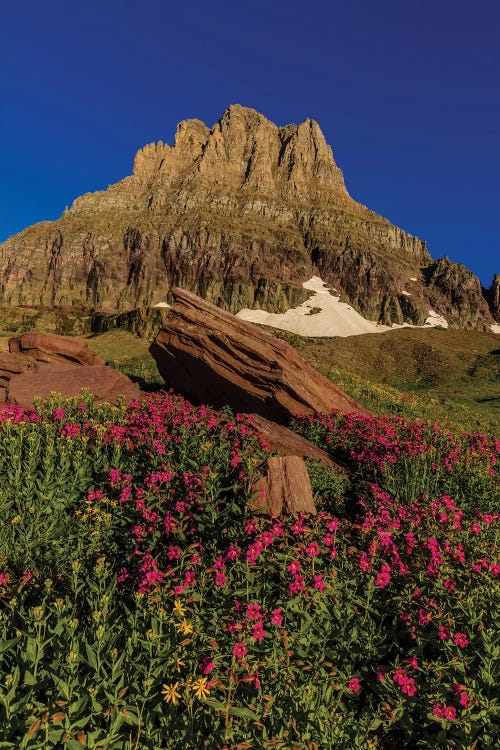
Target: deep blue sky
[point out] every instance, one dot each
(407, 94)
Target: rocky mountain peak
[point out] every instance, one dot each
(241, 213)
(246, 151)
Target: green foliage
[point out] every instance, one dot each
(143, 605)
(329, 485)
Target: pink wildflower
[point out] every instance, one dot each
(461, 640)
(239, 650)
(438, 710)
(253, 612)
(319, 584)
(383, 578)
(206, 666)
(354, 685)
(277, 618)
(424, 617)
(413, 662)
(312, 549)
(443, 633)
(258, 632)
(464, 700)
(449, 712)
(122, 575)
(220, 578)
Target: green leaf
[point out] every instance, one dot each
(6, 645)
(73, 745)
(91, 656)
(243, 713)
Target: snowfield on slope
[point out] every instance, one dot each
(334, 318)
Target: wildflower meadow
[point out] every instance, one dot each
(144, 603)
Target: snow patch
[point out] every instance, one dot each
(407, 294)
(495, 328)
(334, 318)
(412, 278)
(435, 319)
(161, 304)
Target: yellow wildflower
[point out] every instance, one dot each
(200, 688)
(185, 627)
(177, 664)
(178, 608)
(171, 693)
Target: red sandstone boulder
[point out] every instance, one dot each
(287, 442)
(13, 364)
(214, 357)
(50, 347)
(286, 488)
(106, 384)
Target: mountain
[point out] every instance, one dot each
(241, 213)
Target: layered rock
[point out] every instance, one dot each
(13, 364)
(215, 358)
(286, 488)
(49, 347)
(241, 213)
(106, 385)
(289, 443)
(38, 364)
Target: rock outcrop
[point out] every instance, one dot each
(241, 213)
(289, 443)
(40, 363)
(456, 293)
(493, 297)
(49, 347)
(106, 384)
(215, 358)
(286, 488)
(13, 364)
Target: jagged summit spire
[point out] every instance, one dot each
(246, 151)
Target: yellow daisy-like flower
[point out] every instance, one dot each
(200, 688)
(171, 693)
(178, 608)
(185, 627)
(178, 664)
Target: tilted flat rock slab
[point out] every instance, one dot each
(215, 358)
(288, 443)
(50, 347)
(105, 383)
(286, 489)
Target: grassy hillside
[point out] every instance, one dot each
(452, 376)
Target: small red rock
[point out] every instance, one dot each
(286, 488)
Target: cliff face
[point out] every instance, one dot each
(241, 214)
(493, 297)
